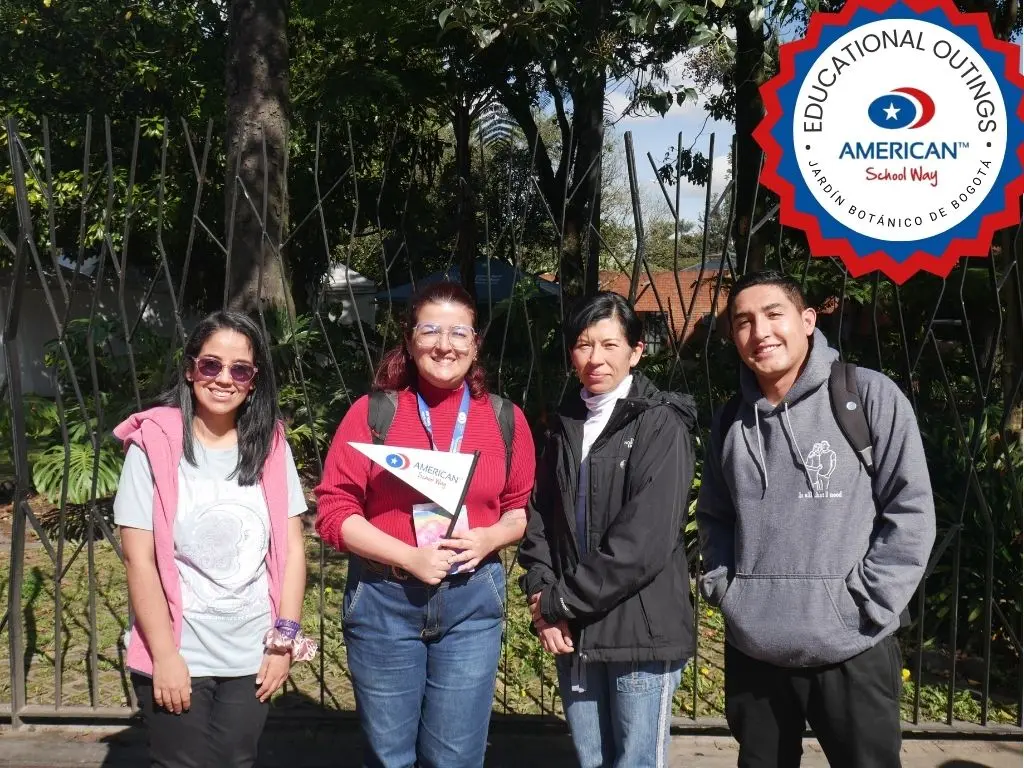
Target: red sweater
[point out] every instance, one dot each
(354, 485)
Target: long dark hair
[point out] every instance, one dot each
(397, 370)
(255, 419)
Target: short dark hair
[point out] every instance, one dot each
(397, 370)
(601, 306)
(257, 416)
(787, 284)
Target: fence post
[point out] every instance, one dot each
(8, 343)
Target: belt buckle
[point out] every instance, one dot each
(399, 574)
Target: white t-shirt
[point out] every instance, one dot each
(221, 538)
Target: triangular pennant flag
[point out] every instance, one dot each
(439, 476)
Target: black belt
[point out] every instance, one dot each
(387, 571)
(395, 573)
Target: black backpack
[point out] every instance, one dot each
(383, 405)
(847, 407)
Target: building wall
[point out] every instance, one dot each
(37, 325)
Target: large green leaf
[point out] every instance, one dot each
(48, 469)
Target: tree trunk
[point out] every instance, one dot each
(256, 201)
(466, 235)
(748, 75)
(1012, 358)
(581, 249)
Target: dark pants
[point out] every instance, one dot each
(852, 707)
(221, 729)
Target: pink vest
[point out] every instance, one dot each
(159, 432)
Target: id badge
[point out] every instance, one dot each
(431, 524)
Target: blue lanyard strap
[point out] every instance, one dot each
(460, 421)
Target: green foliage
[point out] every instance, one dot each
(314, 390)
(76, 464)
(68, 465)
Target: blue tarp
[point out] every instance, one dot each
(503, 278)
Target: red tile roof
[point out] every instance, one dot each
(664, 295)
(667, 292)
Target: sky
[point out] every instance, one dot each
(655, 134)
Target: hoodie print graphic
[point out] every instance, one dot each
(821, 463)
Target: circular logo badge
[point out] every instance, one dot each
(397, 461)
(894, 139)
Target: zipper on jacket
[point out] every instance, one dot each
(570, 514)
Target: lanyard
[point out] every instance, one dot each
(460, 421)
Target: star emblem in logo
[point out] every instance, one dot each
(397, 461)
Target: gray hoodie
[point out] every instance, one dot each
(805, 567)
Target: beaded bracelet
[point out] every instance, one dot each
(287, 627)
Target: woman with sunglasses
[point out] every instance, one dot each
(422, 622)
(208, 504)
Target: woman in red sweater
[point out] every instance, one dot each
(423, 645)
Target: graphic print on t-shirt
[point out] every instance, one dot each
(223, 537)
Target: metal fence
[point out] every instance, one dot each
(99, 259)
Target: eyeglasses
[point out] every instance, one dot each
(210, 368)
(428, 335)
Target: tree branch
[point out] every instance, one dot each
(519, 108)
(556, 94)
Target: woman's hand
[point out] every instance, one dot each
(470, 547)
(273, 672)
(429, 564)
(555, 638)
(172, 684)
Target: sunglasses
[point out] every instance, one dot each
(210, 368)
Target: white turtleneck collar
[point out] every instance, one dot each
(598, 402)
(599, 410)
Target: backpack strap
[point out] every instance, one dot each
(381, 413)
(848, 409)
(505, 414)
(384, 404)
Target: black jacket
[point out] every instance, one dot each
(628, 599)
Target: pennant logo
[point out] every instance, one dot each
(441, 477)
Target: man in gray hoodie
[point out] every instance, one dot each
(811, 560)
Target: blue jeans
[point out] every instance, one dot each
(622, 718)
(423, 662)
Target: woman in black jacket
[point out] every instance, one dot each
(606, 571)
